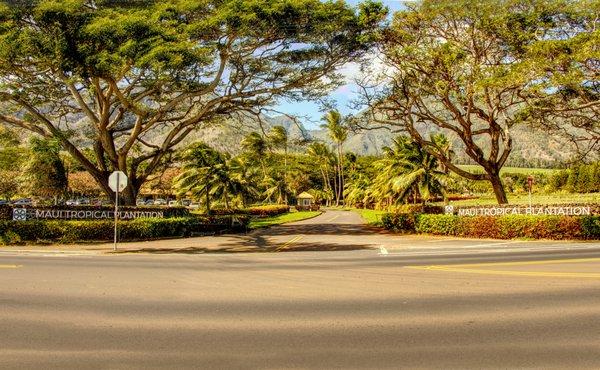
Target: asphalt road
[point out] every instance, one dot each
(405, 302)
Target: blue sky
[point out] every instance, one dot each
(343, 95)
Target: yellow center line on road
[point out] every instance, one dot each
(10, 266)
(333, 218)
(524, 263)
(475, 268)
(511, 273)
(289, 242)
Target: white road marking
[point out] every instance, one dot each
(43, 253)
(480, 249)
(382, 250)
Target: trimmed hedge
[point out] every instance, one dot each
(314, 207)
(420, 208)
(260, 211)
(68, 231)
(399, 222)
(504, 227)
(268, 210)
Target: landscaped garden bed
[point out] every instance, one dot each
(70, 231)
(502, 227)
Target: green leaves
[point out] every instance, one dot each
(407, 169)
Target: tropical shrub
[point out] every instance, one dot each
(590, 226)
(268, 210)
(401, 222)
(420, 208)
(260, 211)
(66, 231)
(437, 224)
(504, 227)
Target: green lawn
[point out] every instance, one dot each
(257, 223)
(535, 199)
(373, 217)
(526, 171)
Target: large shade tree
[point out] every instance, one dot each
(565, 98)
(133, 81)
(462, 67)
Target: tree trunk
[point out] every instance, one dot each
(328, 186)
(285, 172)
(341, 180)
(498, 187)
(127, 197)
(335, 186)
(226, 200)
(207, 200)
(264, 169)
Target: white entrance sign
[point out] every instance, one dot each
(117, 181)
(85, 213)
(516, 210)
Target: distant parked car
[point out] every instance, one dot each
(72, 202)
(194, 205)
(4, 202)
(140, 202)
(186, 202)
(160, 202)
(23, 202)
(101, 202)
(174, 203)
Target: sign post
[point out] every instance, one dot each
(117, 181)
(530, 180)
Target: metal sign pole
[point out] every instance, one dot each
(530, 185)
(116, 212)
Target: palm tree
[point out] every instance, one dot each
(338, 132)
(276, 188)
(444, 147)
(245, 179)
(320, 154)
(407, 169)
(199, 172)
(278, 138)
(357, 190)
(256, 146)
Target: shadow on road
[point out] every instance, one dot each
(248, 246)
(320, 229)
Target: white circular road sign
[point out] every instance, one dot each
(117, 181)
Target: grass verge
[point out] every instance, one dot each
(371, 216)
(257, 223)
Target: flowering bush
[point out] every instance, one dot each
(503, 227)
(268, 210)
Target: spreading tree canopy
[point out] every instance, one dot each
(465, 67)
(565, 94)
(133, 81)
